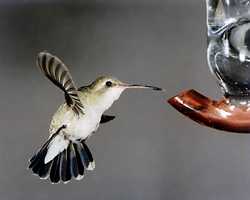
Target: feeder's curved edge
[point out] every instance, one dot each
(220, 115)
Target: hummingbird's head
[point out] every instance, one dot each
(108, 89)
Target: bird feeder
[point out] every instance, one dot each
(228, 54)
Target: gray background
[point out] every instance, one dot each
(150, 151)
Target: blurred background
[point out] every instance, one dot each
(149, 151)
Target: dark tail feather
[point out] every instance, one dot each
(55, 169)
(80, 163)
(86, 156)
(44, 171)
(37, 162)
(70, 163)
(65, 167)
(73, 161)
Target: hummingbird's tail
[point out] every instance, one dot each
(68, 164)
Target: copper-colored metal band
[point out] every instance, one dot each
(215, 114)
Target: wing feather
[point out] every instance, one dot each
(57, 72)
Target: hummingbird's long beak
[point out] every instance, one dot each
(138, 86)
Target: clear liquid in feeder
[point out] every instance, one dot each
(229, 45)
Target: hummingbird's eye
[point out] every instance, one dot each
(239, 39)
(108, 83)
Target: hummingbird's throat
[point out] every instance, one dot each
(104, 101)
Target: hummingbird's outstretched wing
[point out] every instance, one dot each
(56, 71)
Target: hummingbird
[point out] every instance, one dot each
(65, 155)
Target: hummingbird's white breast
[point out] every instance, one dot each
(77, 127)
(82, 126)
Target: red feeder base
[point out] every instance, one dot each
(220, 115)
